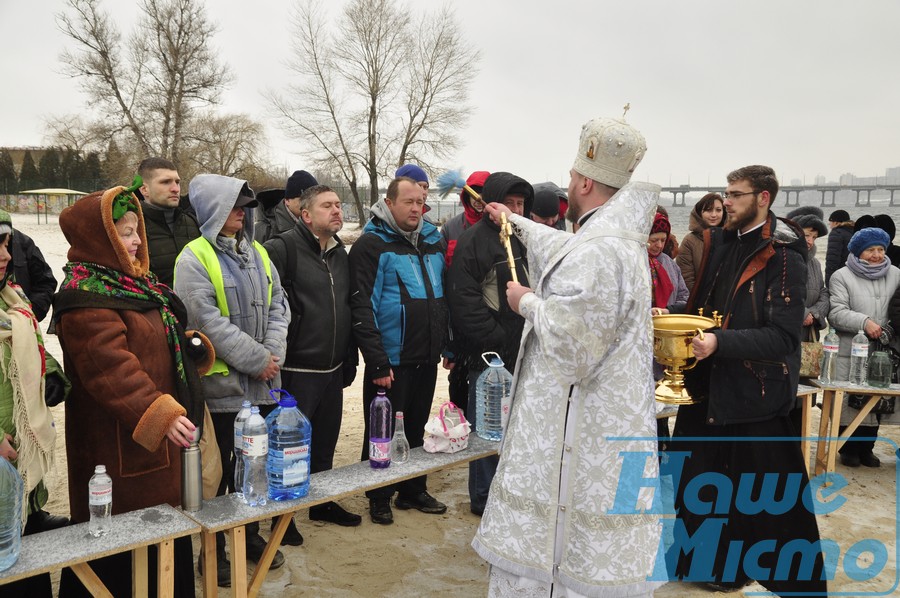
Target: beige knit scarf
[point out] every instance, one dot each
(35, 432)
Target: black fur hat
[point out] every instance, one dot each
(803, 210)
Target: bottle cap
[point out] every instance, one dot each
(399, 415)
(100, 469)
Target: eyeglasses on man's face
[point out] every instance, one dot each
(737, 194)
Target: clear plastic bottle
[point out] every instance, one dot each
(12, 491)
(399, 443)
(255, 452)
(830, 345)
(99, 501)
(859, 357)
(380, 431)
(289, 449)
(492, 391)
(239, 421)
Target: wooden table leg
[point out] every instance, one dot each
(851, 427)
(90, 580)
(238, 538)
(165, 569)
(834, 432)
(822, 444)
(210, 564)
(804, 432)
(262, 567)
(139, 576)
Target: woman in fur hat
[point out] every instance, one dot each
(860, 295)
(136, 396)
(809, 218)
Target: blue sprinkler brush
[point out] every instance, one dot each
(453, 180)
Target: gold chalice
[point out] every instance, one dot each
(672, 335)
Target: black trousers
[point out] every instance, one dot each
(223, 422)
(731, 459)
(411, 392)
(321, 399)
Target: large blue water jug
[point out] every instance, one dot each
(492, 391)
(289, 449)
(11, 492)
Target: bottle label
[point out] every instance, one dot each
(256, 446)
(830, 348)
(380, 450)
(859, 350)
(100, 496)
(294, 459)
(238, 437)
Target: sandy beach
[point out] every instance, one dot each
(425, 555)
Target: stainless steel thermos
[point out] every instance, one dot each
(191, 478)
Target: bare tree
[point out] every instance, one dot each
(225, 144)
(149, 85)
(376, 90)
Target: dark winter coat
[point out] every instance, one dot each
(31, 272)
(165, 241)
(476, 285)
(271, 222)
(837, 252)
(754, 372)
(318, 290)
(397, 296)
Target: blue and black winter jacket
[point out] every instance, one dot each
(397, 297)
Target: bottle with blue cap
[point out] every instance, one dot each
(290, 435)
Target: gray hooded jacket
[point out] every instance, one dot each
(254, 328)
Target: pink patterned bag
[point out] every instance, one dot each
(448, 431)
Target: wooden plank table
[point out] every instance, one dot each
(803, 392)
(73, 547)
(229, 513)
(830, 440)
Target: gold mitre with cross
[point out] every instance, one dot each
(609, 150)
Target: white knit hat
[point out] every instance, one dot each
(609, 151)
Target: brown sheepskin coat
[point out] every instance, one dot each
(123, 377)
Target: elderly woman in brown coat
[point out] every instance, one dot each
(136, 397)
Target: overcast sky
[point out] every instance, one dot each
(806, 86)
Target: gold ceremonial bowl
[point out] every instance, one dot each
(672, 335)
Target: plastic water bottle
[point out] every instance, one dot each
(380, 431)
(255, 445)
(239, 421)
(12, 491)
(399, 444)
(830, 345)
(289, 449)
(99, 501)
(492, 394)
(859, 356)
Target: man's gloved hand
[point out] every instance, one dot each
(349, 370)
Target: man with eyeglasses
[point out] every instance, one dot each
(753, 273)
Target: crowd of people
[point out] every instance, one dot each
(278, 301)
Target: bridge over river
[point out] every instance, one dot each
(791, 193)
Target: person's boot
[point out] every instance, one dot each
(291, 536)
(42, 521)
(380, 511)
(334, 513)
(255, 547)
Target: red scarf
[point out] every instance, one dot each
(662, 284)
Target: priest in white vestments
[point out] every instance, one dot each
(560, 520)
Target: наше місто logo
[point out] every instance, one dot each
(731, 528)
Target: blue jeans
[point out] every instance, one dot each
(481, 472)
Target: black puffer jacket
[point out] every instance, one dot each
(476, 282)
(754, 372)
(165, 243)
(318, 291)
(32, 273)
(837, 252)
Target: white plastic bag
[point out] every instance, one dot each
(448, 431)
